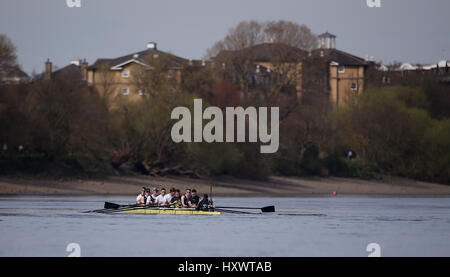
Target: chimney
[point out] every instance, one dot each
(84, 70)
(151, 46)
(48, 70)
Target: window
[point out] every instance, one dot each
(341, 69)
(125, 91)
(141, 91)
(125, 74)
(353, 86)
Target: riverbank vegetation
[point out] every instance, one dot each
(61, 127)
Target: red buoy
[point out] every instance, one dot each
(334, 193)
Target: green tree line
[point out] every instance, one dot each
(70, 129)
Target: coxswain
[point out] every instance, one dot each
(204, 203)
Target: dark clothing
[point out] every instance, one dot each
(145, 198)
(204, 203)
(186, 200)
(175, 199)
(152, 199)
(194, 200)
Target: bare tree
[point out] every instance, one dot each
(244, 35)
(105, 84)
(291, 34)
(161, 73)
(8, 57)
(250, 33)
(264, 57)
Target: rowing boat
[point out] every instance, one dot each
(170, 209)
(183, 211)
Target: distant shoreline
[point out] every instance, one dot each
(223, 186)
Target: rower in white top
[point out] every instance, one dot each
(161, 199)
(140, 199)
(169, 196)
(151, 200)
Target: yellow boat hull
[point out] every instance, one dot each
(170, 211)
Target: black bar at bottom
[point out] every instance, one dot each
(210, 266)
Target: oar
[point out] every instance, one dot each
(114, 206)
(232, 211)
(268, 209)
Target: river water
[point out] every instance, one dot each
(309, 226)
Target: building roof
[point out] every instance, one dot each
(14, 75)
(441, 64)
(408, 66)
(143, 57)
(71, 70)
(326, 35)
(266, 52)
(341, 57)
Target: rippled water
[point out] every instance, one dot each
(310, 226)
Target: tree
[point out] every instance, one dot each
(8, 57)
(106, 87)
(391, 127)
(66, 118)
(291, 34)
(250, 33)
(244, 35)
(264, 57)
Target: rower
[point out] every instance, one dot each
(185, 198)
(176, 199)
(152, 198)
(204, 203)
(169, 196)
(140, 199)
(194, 200)
(147, 196)
(161, 199)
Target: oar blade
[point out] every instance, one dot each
(268, 209)
(109, 205)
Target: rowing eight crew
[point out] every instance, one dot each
(159, 198)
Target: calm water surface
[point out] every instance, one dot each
(402, 226)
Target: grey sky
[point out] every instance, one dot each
(402, 30)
